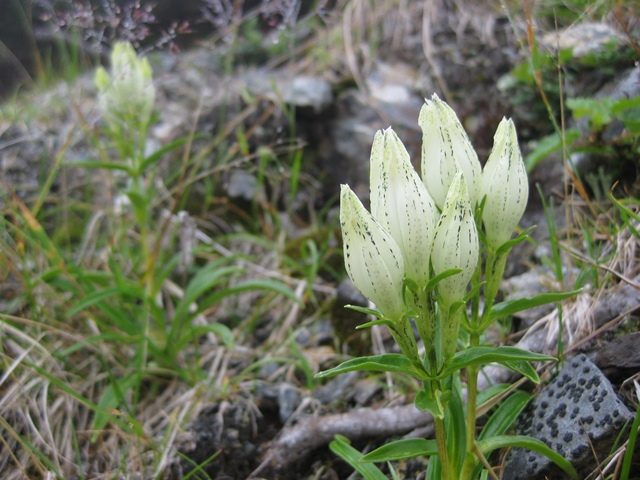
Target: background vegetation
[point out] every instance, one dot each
(131, 299)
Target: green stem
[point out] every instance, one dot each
(495, 266)
(442, 448)
(472, 390)
(426, 322)
(402, 333)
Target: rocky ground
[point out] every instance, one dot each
(328, 100)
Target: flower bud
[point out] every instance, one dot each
(372, 257)
(127, 95)
(446, 149)
(505, 184)
(401, 204)
(456, 242)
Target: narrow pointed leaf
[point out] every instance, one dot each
(368, 311)
(504, 416)
(503, 441)
(524, 368)
(506, 247)
(341, 447)
(441, 276)
(382, 321)
(510, 307)
(486, 355)
(388, 362)
(402, 449)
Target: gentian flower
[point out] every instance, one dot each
(401, 204)
(126, 96)
(505, 184)
(372, 257)
(456, 242)
(446, 149)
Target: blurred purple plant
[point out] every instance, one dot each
(100, 22)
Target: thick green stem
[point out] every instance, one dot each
(402, 333)
(472, 390)
(442, 448)
(426, 322)
(450, 330)
(493, 275)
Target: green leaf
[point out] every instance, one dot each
(510, 307)
(523, 368)
(109, 337)
(402, 449)
(425, 403)
(93, 298)
(341, 447)
(203, 281)
(487, 394)
(625, 104)
(485, 355)
(410, 284)
(217, 329)
(434, 469)
(368, 311)
(140, 206)
(625, 214)
(155, 156)
(111, 398)
(382, 321)
(249, 286)
(490, 444)
(504, 416)
(441, 276)
(456, 428)
(388, 362)
(105, 165)
(628, 454)
(548, 145)
(597, 109)
(506, 247)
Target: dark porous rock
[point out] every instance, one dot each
(580, 401)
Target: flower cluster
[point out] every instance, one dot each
(127, 96)
(421, 228)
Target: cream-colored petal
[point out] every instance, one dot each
(401, 203)
(372, 257)
(456, 242)
(506, 186)
(446, 148)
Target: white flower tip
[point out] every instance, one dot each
(458, 189)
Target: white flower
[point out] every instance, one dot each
(446, 148)
(505, 184)
(456, 242)
(372, 257)
(401, 203)
(127, 95)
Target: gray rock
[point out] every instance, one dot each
(583, 38)
(288, 400)
(626, 85)
(301, 91)
(337, 389)
(242, 184)
(620, 359)
(580, 401)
